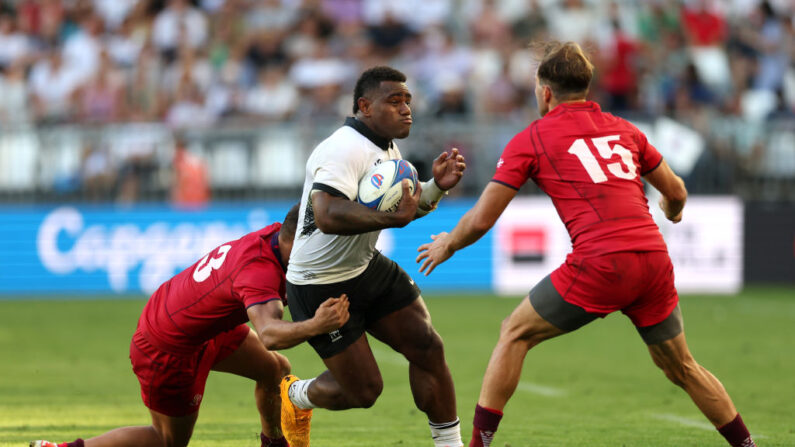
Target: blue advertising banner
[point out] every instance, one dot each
(133, 249)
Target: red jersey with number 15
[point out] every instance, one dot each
(212, 295)
(590, 164)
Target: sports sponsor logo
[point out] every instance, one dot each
(377, 180)
(155, 251)
(335, 335)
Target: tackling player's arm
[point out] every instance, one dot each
(276, 333)
(338, 215)
(672, 188)
(472, 226)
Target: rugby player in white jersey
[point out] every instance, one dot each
(334, 250)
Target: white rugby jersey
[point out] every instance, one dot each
(336, 166)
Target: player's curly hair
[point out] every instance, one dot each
(371, 79)
(565, 68)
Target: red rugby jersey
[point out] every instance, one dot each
(212, 295)
(590, 163)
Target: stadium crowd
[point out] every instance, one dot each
(201, 63)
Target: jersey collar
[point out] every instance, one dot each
(275, 248)
(383, 143)
(575, 106)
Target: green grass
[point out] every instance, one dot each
(64, 373)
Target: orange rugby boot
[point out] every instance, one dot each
(295, 421)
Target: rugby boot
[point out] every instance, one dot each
(295, 421)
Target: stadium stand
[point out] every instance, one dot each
(101, 99)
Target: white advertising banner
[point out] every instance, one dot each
(706, 247)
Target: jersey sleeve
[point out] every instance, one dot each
(259, 282)
(518, 161)
(337, 170)
(649, 156)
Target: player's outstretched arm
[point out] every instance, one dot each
(338, 215)
(276, 333)
(472, 226)
(672, 188)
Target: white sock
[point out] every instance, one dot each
(446, 434)
(298, 394)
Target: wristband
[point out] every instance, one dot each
(430, 197)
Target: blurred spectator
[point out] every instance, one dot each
(52, 86)
(14, 105)
(101, 99)
(199, 62)
(97, 174)
(179, 23)
(573, 20)
(188, 108)
(124, 46)
(190, 186)
(271, 15)
(14, 44)
(703, 26)
(274, 97)
(389, 35)
(619, 72)
(114, 12)
(143, 99)
(81, 50)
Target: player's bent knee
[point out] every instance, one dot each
(366, 394)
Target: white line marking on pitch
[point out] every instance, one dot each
(540, 389)
(684, 421)
(694, 423)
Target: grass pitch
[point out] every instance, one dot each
(65, 373)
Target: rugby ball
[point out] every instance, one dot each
(381, 189)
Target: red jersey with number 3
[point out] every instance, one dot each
(212, 295)
(590, 163)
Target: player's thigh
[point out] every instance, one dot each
(304, 301)
(355, 368)
(665, 331)
(388, 289)
(545, 313)
(171, 384)
(253, 361)
(175, 431)
(408, 330)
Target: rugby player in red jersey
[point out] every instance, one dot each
(196, 322)
(590, 164)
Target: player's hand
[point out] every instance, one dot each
(448, 169)
(434, 253)
(673, 218)
(407, 208)
(332, 314)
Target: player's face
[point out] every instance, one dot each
(390, 111)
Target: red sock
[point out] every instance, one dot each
(76, 443)
(484, 426)
(268, 442)
(737, 433)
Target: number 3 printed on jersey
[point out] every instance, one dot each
(583, 152)
(208, 264)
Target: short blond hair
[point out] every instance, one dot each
(565, 68)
